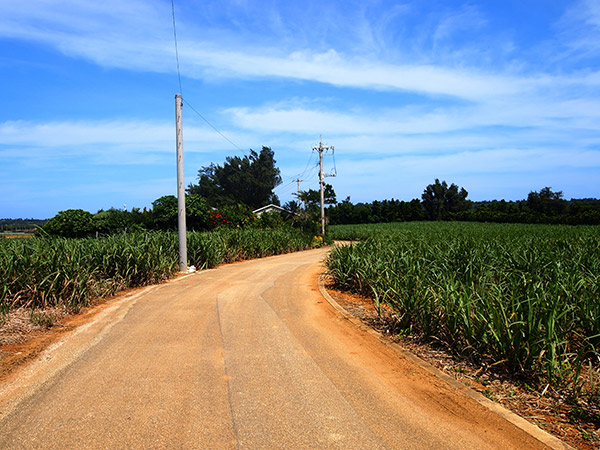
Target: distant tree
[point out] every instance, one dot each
(71, 223)
(249, 180)
(313, 197)
(342, 213)
(378, 211)
(412, 210)
(21, 224)
(310, 216)
(292, 206)
(116, 221)
(546, 202)
(439, 199)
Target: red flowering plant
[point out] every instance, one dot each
(231, 216)
(218, 219)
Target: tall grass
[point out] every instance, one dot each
(527, 296)
(43, 272)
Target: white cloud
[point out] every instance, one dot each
(551, 116)
(457, 114)
(336, 69)
(467, 19)
(137, 35)
(55, 134)
(580, 30)
(134, 135)
(489, 174)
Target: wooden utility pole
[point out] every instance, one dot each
(321, 148)
(181, 226)
(298, 181)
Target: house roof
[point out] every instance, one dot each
(273, 207)
(270, 208)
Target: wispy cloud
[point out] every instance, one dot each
(402, 88)
(136, 35)
(535, 112)
(580, 30)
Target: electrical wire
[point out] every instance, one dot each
(334, 168)
(308, 177)
(184, 100)
(176, 49)
(315, 164)
(213, 127)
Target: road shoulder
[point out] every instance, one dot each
(529, 428)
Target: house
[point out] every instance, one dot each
(270, 208)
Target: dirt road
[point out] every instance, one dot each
(248, 355)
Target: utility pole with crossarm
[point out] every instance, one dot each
(321, 149)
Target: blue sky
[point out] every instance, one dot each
(501, 98)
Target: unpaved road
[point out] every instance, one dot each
(248, 355)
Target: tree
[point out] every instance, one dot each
(197, 213)
(342, 213)
(546, 202)
(313, 197)
(439, 199)
(164, 212)
(71, 223)
(292, 206)
(249, 180)
(112, 221)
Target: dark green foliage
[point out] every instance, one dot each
(115, 221)
(444, 202)
(197, 213)
(271, 220)
(232, 216)
(376, 212)
(249, 180)
(439, 200)
(308, 208)
(164, 212)
(20, 225)
(312, 197)
(71, 223)
(292, 206)
(546, 202)
(544, 207)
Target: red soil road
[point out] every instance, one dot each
(248, 355)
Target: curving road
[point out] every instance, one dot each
(248, 356)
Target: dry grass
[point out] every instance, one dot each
(20, 323)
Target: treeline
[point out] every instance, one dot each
(162, 216)
(564, 212)
(20, 225)
(441, 201)
(224, 197)
(377, 212)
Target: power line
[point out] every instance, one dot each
(307, 166)
(176, 49)
(213, 127)
(184, 100)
